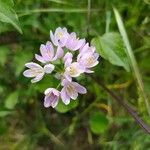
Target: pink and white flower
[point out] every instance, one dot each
(59, 38)
(71, 69)
(73, 43)
(36, 71)
(70, 90)
(51, 97)
(69, 66)
(47, 53)
(87, 58)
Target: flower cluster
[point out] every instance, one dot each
(76, 56)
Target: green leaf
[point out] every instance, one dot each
(7, 14)
(3, 55)
(110, 46)
(20, 59)
(47, 81)
(4, 113)
(11, 100)
(132, 59)
(62, 108)
(98, 122)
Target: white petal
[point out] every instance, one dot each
(52, 38)
(48, 68)
(29, 73)
(32, 65)
(47, 91)
(37, 78)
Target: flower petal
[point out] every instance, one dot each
(80, 43)
(48, 91)
(47, 101)
(39, 58)
(68, 59)
(80, 89)
(52, 37)
(48, 68)
(54, 102)
(32, 65)
(59, 53)
(29, 73)
(37, 78)
(65, 98)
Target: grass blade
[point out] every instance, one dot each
(131, 57)
(58, 10)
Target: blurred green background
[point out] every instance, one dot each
(94, 120)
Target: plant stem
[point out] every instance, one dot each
(127, 107)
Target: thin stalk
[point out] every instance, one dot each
(127, 107)
(108, 19)
(131, 57)
(43, 10)
(88, 14)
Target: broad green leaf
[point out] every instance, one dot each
(98, 122)
(62, 108)
(3, 55)
(20, 59)
(11, 100)
(7, 14)
(47, 81)
(110, 47)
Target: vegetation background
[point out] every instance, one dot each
(95, 120)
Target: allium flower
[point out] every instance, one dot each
(71, 69)
(73, 43)
(36, 71)
(47, 52)
(59, 38)
(70, 90)
(87, 58)
(51, 97)
(60, 55)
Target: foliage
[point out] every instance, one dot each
(94, 120)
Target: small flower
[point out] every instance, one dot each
(51, 97)
(36, 71)
(68, 66)
(47, 52)
(73, 43)
(87, 58)
(70, 90)
(71, 69)
(59, 38)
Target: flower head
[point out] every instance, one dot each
(87, 58)
(47, 53)
(59, 38)
(36, 71)
(71, 69)
(70, 90)
(73, 43)
(51, 97)
(70, 57)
